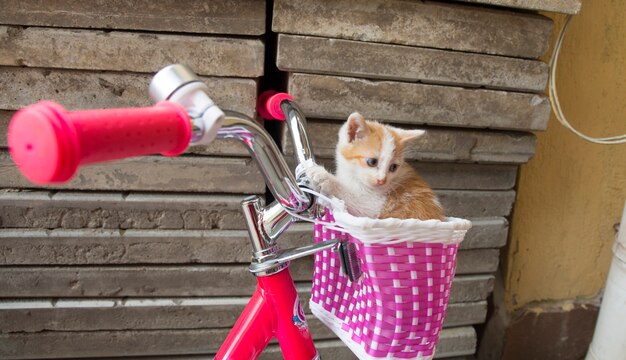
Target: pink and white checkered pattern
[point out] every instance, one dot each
(396, 309)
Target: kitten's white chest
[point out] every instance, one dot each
(369, 205)
(362, 200)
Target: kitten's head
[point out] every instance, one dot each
(372, 152)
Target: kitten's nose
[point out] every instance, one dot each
(381, 181)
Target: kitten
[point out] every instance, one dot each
(372, 177)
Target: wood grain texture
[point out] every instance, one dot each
(332, 97)
(246, 17)
(116, 210)
(417, 23)
(561, 6)
(128, 51)
(185, 174)
(100, 90)
(236, 175)
(318, 55)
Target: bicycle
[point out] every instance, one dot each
(49, 144)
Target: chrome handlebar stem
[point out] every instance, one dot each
(265, 224)
(296, 123)
(278, 177)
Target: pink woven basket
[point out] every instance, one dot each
(395, 310)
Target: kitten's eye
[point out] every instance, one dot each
(371, 162)
(393, 167)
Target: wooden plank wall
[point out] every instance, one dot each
(137, 257)
(148, 257)
(467, 74)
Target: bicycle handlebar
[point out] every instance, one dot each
(269, 107)
(281, 106)
(49, 143)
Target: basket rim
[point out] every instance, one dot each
(389, 227)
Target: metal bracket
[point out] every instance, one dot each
(285, 256)
(349, 260)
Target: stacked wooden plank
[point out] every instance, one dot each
(138, 257)
(466, 74)
(148, 257)
(560, 6)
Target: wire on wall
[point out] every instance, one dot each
(554, 99)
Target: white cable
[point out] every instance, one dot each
(328, 225)
(554, 99)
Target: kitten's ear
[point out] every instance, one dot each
(407, 135)
(356, 127)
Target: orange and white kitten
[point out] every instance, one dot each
(372, 177)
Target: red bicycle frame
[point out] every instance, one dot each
(273, 311)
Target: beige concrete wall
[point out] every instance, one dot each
(571, 194)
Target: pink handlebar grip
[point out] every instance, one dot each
(268, 105)
(48, 143)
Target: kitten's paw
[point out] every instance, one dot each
(320, 177)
